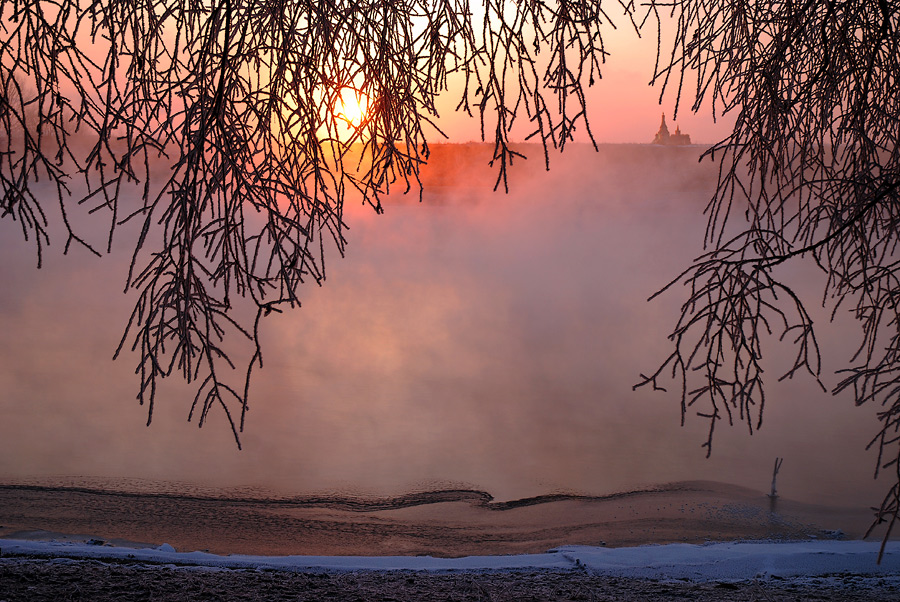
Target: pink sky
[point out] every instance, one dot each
(623, 106)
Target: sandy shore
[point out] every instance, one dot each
(462, 524)
(41, 579)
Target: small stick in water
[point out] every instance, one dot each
(778, 462)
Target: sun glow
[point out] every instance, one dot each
(352, 107)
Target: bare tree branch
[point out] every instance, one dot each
(224, 115)
(813, 169)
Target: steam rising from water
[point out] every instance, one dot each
(479, 339)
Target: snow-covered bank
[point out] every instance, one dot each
(710, 562)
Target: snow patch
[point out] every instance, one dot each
(709, 562)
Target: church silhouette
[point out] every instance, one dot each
(665, 138)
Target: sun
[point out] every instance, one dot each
(352, 107)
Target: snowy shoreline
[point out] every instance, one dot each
(733, 561)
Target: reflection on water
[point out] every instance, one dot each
(478, 341)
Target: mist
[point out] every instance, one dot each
(478, 338)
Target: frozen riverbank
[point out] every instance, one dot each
(711, 562)
(746, 571)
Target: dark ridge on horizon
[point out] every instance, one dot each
(477, 144)
(474, 497)
(453, 167)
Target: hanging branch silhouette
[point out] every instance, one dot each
(236, 100)
(812, 167)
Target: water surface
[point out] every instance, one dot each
(477, 341)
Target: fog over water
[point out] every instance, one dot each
(477, 339)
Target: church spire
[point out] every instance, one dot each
(662, 136)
